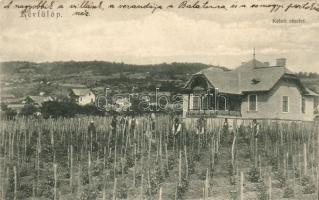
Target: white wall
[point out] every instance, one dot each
(269, 104)
(87, 99)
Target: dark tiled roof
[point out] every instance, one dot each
(40, 99)
(81, 92)
(250, 76)
(226, 82)
(311, 93)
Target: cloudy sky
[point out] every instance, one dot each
(209, 36)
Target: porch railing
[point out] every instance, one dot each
(212, 113)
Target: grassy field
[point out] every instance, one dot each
(59, 159)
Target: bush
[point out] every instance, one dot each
(154, 185)
(182, 188)
(309, 187)
(305, 181)
(129, 161)
(282, 179)
(28, 110)
(273, 162)
(230, 168)
(171, 162)
(202, 175)
(57, 109)
(85, 176)
(191, 167)
(253, 175)
(122, 194)
(262, 191)
(197, 157)
(88, 194)
(288, 192)
(97, 169)
(7, 113)
(233, 194)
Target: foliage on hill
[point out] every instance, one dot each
(99, 67)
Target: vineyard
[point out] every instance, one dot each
(60, 159)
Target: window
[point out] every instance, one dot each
(222, 103)
(252, 102)
(196, 103)
(285, 104)
(303, 105)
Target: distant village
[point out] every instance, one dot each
(82, 96)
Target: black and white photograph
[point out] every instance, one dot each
(159, 99)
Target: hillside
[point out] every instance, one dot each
(98, 67)
(24, 78)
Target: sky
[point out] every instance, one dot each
(217, 37)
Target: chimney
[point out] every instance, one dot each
(267, 64)
(281, 62)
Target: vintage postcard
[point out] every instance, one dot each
(159, 99)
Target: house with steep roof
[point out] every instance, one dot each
(82, 96)
(254, 90)
(36, 100)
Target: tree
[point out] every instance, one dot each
(56, 109)
(90, 110)
(28, 110)
(8, 113)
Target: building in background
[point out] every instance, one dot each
(82, 96)
(36, 100)
(254, 90)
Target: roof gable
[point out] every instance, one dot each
(225, 82)
(81, 92)
(249, 77)
(39, 99)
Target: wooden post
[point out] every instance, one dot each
(241, 186)
(104, 158)
(300, 168)
(15, 182)
(284, 167)
(317, 177)
(142, 190)
(89, 167)
(259, 164)
(269, 188)
(287, 166)
(79, 178)
(55, 181)
(114, 169)
(204, 193)
(134, 173)
(71, 166)
(256, 153)
(114, 189)
(166, 154)
(186, 162)
(305, 158)
(104, 188)
(160, 193)
(180, 168)
(232, 151)
(294, 175)
(206, 185)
